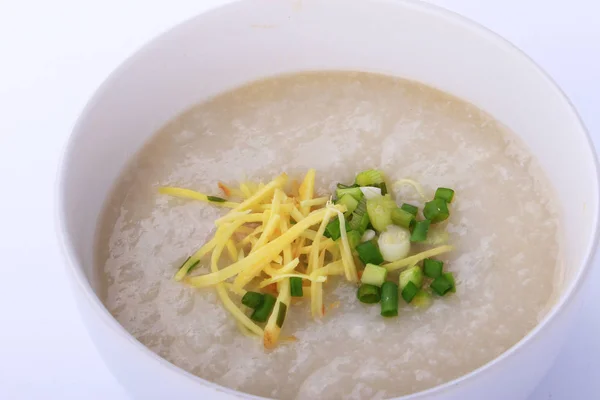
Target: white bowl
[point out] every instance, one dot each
(247, 40)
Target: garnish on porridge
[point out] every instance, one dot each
(279, 242)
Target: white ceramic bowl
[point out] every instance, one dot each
(247, 40)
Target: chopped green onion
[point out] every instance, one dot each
(281, 314)
(380, 213)
(371, 192)
(342, 186)
(368, 235)
(353, 239)
(410, 208)
(354, 192)
(215, 199)
(445, 194)
(436, 210)
(450, 278)
(409, 292)
(383, 188)
(412, 274)
(370, 177)
(422, 299)
(253, 299)
(359, 222)
(419, 233)
(389, 299)
(441, 285)
(368, 294)
(403, 218)
(432, 268)
(333, 229)
(350, 202)
(296, 287)
(369, 253)
(394, 243)
(374, 275)
(261, 314)
(361, 208)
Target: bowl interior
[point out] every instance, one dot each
(249, 40)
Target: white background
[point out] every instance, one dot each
(54, 54)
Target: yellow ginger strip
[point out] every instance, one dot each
(319, 201)
(316, 278)
(232, 250)
(309, 234)
(296, 214)
(307, 190)
(316, 288)
(231, 216)
(313, 258)
(245, 190)
(263, 193)
(267, 252)
(252, 234)
(277, 278)
(272, 269)
(229, 305)
(284, 225)
(232, 289)
(244, 230)
(324, 244)
(194, 195)
(412, 260)
(333, 268)
(347, 259)
(275, 322)
(244, 277)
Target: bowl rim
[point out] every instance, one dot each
(77, 276)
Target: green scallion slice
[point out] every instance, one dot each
(368, 294)
(342, 186)
(450, 278)
(353, 239)
(369, 253)
(374, 275)
(281, 314)
(296, 287)
(333, 229)
(436, 210)
(441, 285)
(359, 222)
(445, 194)
(412, 274)
(410, 208)
(409, 292)
(389, 299)
(370, 177)
(354, 192)
(383, 188)
(422, 299)
(419, 233)
(350, 202)
(432, 268)
(261, 314)
(253, 299)
(380, 212)
(403, 218)
(216, 199)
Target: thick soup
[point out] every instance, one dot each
(503, 228)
